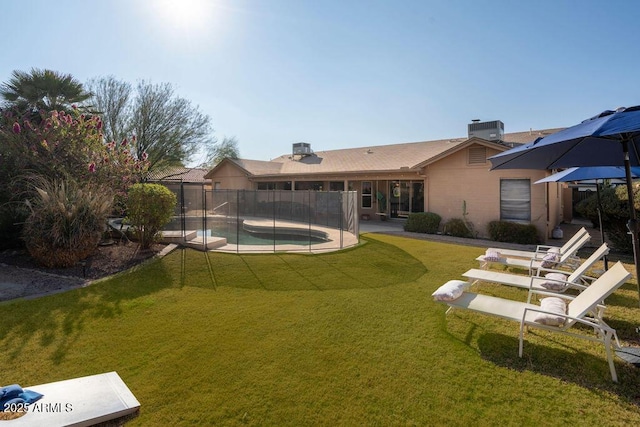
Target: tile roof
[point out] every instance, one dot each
(178, 174)
(378, 158)
(373, 158)
(259, 167)
(528, 136)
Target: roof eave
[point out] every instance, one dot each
(211, 173)
(460, 146)
(339, 173)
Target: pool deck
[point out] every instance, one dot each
(192, 240)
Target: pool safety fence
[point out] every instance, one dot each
(245, 221)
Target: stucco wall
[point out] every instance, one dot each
(452, 181)
(231, 177)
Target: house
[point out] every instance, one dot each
(450, 177)
(178, 175)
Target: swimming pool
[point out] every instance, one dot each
(240, 236)
(252, 232)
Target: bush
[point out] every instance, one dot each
(423, 222)
(150, 207)
(512, 232)
(65, 223)
(615, 214)
(458, 228)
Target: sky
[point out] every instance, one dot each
(344, 73)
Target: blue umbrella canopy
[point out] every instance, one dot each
(598, 141)
(590, 172)
(611, 138)
(586, 173)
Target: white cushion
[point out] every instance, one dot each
(551, 258)
(554, 307)
(451, 290)
(552, 284)
(492, 255)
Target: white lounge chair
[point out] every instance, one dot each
(541, 260)
(585, 309)
(577, 280)
(543, 249)
(81, 401)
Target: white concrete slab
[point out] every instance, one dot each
(176, 236)
(81, 401)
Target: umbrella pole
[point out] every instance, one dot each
(604, 258)
(632, 225)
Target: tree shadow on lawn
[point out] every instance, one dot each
(623, 300)
(375, 264)
(626, 331)
(568, 363)
(58, 320)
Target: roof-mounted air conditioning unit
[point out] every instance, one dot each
(302, 149)
(490, 131)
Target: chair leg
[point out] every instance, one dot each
(612, 368)
(521, 340)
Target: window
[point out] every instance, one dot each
(309, 185)
(217, 185)
(266, 186)
(276, 185)
(367, 194)
(336, 186)
(515, 200)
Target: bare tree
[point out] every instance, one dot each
(111, 99)
(168, 129)
(228, 148)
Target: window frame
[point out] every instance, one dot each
(366, 194)
(510, 202)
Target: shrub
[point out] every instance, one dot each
(149, 208)
(615, 214)
(423, 222)
(65, 223)
(61, 146)
(456, 227)
(511, 232)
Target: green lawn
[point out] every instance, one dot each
(347, 338)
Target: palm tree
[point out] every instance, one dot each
(42, 90)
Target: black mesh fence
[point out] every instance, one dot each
(264, 220)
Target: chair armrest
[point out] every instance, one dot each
(539, 279)
(596, 325)
(541, 248)
(588, 279)
(537, 292)
(541, 269)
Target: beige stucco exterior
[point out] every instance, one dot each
(230, 177)
(449, 178)
(452, 183)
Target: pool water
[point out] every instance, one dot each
(243, 237)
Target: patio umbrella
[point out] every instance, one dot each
(612, 138)
(592, 173)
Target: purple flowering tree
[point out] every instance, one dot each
(65, 152)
